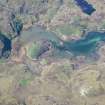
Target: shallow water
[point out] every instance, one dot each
(37, 33)
(85, 45)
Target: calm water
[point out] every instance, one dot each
(7, 45)
(85, 45)
(85, 7)
(37, 33)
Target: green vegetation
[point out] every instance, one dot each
(24, 82)
(2, 60)
(69, 30)
(50, 13)
(32, 50)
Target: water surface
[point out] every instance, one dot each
(5, 51)
(85, 6)
(84, 46)
(38, 33)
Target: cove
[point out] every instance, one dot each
(84, 46)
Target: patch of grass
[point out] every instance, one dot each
(68, 30)
(33, 50)
(24, 82)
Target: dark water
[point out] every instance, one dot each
(85, 7)
(16, 26)
(85, 45)
(5, 51)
